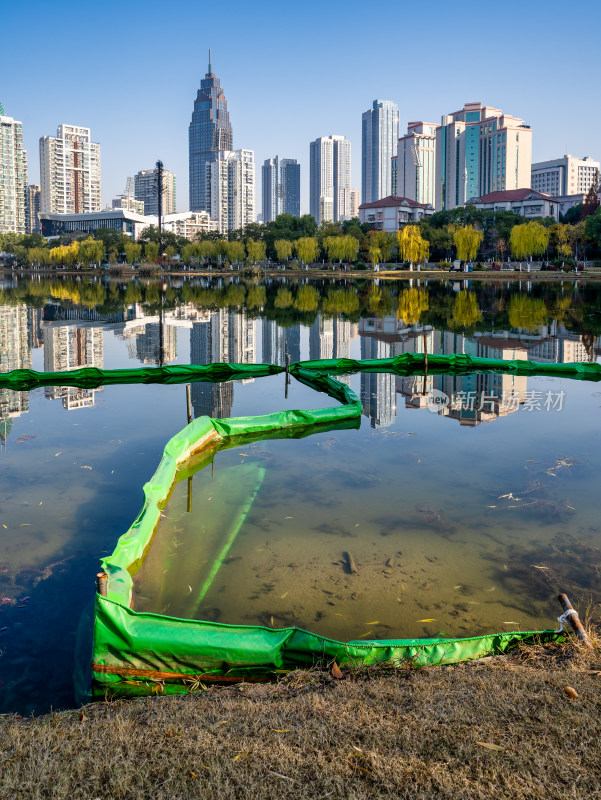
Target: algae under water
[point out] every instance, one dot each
(385, 534)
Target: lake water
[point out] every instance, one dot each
(464, 521)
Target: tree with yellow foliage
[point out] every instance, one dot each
(412, 303)
(306, 249)
(467, 241)
(528, 240)
(283, 249)
(412, 247)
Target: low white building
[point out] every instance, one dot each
(118, 219)
(187, 223)
(393, 213)
(526, 202)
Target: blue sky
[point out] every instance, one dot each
(293, 72)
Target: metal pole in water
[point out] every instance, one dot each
(102, 583)
(189, 402)
(287, 373)
(574, 620)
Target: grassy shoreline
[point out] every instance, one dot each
(500, 727)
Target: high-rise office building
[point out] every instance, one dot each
(379, 136)
(564, 176)
(416, 163)
(231, 182)
(290, 182)
(330, 183)
(32, 209)
(479, 150)
(146, 190)
(69, 172)
(210, 131)
(13, 175)
(281, 188)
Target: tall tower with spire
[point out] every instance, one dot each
(210, 131)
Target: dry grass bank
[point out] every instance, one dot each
(499, 728)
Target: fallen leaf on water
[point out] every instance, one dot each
(403, 586)
(363, 635)
(532, 460)
(457, 587)
(288, 517)
(85, 466)
(572, 507)
(490, 746)
(24, 524)
(189, 588)
(40, 503)
(282, 596)
(426, 620)
(242, 454)
(357, 525)
(377, 622)
(336, 671)
(58, 454)
(510, 623)
(4, 526)
(490, 506)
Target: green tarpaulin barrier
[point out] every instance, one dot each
(137, 652)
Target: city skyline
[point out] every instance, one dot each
(124, 119)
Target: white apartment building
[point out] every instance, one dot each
(330, 179)
(379, 136)
(231, 180)
(479, 150)
(416, 163)
(565, 176)
(69, 172)
(13, 175)
(188, 224)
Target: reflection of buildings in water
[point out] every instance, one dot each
(147, 342)
(68, 347)
(34, 328)
(276, 341)
(331, 338)
(378, 394)
(15, 353)
(220, 336)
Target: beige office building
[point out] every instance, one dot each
(70, 172)
(479, 150)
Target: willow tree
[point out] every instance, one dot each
(306, 249)
(256, 297)
(374, 253)
(151, 251)
(65, 254)
(283, 249)
(234, 251)
(256, 250)
(467, 240)
(412, 303)
(412, 247)
(528, 240)
(190, 253)
(207, 249)
(91, 251)
(384, 241)
(283, 298)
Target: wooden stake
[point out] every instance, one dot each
(189, 402)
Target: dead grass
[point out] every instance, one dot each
(498, 728)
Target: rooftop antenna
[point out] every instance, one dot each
(210, 65)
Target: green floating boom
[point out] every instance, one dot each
(138, 653)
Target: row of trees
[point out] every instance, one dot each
(465, 233)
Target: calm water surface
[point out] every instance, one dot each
(463, 522)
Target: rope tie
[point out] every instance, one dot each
(565, 618)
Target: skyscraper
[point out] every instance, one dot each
(210, 130)
(290, 182)
(330, 184)
(231, 183)
(281, 188)
(145, 183)
(479, 150)
(379, 136)
(13, 175)
(69, 172)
